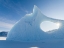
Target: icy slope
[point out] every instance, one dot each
(28, 28)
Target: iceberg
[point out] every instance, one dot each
(27, 29)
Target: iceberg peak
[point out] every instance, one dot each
(36, 9)
(28, 28)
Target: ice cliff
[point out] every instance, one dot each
(27, 29)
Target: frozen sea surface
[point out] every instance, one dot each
(45, 44)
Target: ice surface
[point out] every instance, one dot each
(48, 44)
(49, 26)
(28, 28)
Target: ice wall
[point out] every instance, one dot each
(28, 28)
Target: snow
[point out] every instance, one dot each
(28, 29)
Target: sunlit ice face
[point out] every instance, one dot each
(58, 25)
(48, 26)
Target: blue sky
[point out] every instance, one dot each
(13, 10)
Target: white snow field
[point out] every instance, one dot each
(28, 28)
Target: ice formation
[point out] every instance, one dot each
(28, 28)
(47, 26)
